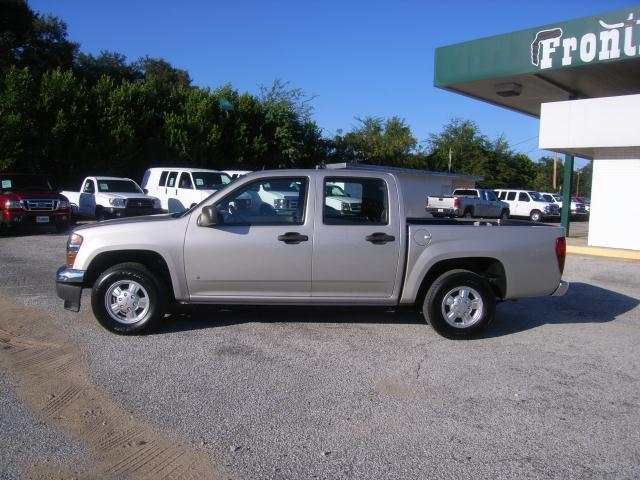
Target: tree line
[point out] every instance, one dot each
(69, 114)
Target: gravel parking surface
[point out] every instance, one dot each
(551, 391)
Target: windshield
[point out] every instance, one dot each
(547, 197)
(334, 191)
(24, 183)
(558, 198)
(536, 197)
(120, 186)
(210, 180)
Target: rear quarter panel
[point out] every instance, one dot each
(526, 252)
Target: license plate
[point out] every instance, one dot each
(441, 210)
(42, 219)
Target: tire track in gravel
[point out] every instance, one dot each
(50, 379)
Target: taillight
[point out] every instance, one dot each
(73, 245)
(456, 202)
(561, 252)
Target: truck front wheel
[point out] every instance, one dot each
(535, 216)
(459, 304)
(127, 299)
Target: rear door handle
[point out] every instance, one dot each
(292, 238)
(379, 238)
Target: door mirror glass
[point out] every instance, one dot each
(209, 217)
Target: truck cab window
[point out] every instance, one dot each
(88, 187)
(355, 201)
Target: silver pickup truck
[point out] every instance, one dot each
(229, 251)
(469, 203)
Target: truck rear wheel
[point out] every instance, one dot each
(459, 304)
(468, 213)
(127, 299)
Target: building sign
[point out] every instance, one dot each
(552, 47)
(607, 37)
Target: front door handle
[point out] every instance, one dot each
(292, 238)
(379, 238)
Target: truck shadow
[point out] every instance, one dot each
(583, 304)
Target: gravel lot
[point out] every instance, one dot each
(551, 391)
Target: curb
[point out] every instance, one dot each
(604, 252)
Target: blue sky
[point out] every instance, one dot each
(358, 58)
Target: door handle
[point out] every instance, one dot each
(379, 238)
(292, 238)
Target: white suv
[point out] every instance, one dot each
(527, 203)
(181, 188)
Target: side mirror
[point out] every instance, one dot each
(145, 190)
(209, 217)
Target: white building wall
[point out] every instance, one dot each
(614, 220)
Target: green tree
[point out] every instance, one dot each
(463, 143)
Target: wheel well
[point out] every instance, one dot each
(488, 268)
(152, 260)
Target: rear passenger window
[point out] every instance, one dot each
(163, 178)
(172, 179)
(355, 201)
(511, 196)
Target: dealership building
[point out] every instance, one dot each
(581, 78)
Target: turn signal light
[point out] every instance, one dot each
(73, 245)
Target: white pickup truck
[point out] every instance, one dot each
(310, 253)
(111, 197)
(469, 203)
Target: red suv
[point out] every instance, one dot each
(27, 199)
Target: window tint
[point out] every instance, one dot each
(365, 203)
(467, 193)
(253, 204)
(185, 180)
(523, 197)
(88, 187)
(502, 195)
(163, 178)
(122, 186)
(172, 179)
(491, 196)
(210, 180)
(511, 196)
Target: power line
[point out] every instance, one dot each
(525, 141)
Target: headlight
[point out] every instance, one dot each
(345, 207)
(280, 203)
(63, 204)
(13, 204)
(73, 245)
(117, 202)
(547, 209)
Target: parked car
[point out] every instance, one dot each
(311, 255)
(577, 208)
(111, 197)
(468, 202)
(27, 199)
(182, 188)
(527, 203)
(586, 201)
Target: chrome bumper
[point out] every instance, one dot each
(561, 290)
(69, 283)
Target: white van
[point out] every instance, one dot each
(181, 188)
(527, 203)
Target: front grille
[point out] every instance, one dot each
(139, 203)
(40, 205)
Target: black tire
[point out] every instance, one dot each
(152, 288)
(100, 216)
(435, 304)
(535, 215)
(504, 214)
(468, 213)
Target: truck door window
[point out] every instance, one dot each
(523, 197)
(88, 187)
(185, 181)
(349, 201)
(511, 196)
(172, 179)
(275, 201)
(163, 178)
(491, 196)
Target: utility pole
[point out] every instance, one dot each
(555, 168)
(449, 159)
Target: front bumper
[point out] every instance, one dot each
(35, 218)
(113, 212)
(69, 284)
(561, 290)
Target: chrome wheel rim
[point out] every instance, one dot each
(127, 302)
(462, 307)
